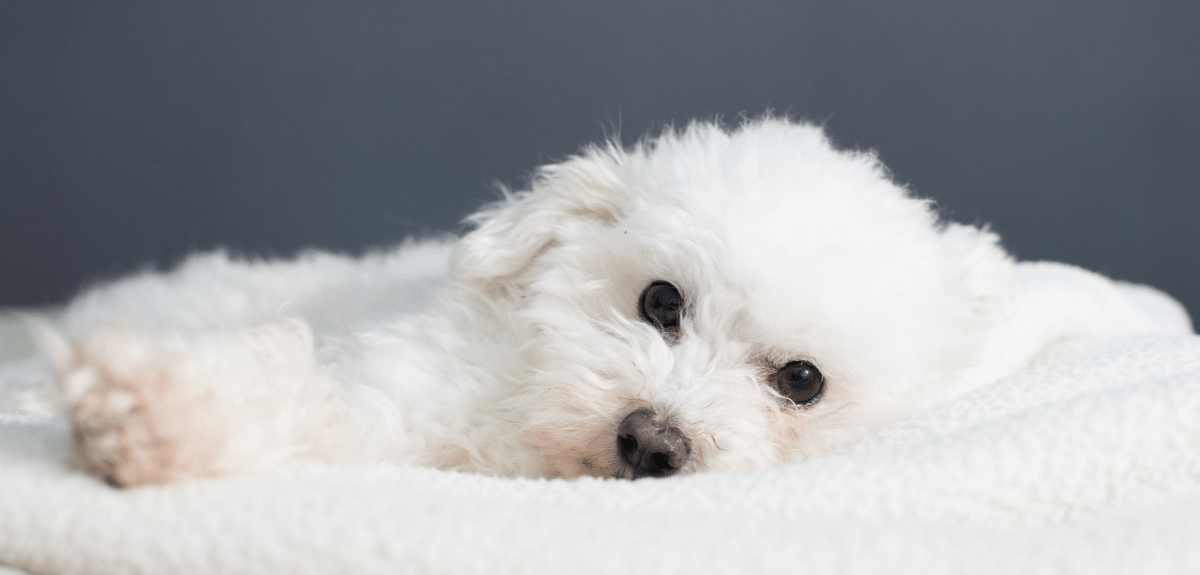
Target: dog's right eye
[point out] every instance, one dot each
(661, 305)
(799, 381)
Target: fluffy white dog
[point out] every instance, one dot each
(708, 299)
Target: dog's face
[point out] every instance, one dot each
(720, 301)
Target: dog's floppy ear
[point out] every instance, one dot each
(512, 232)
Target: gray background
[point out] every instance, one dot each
(135, 132)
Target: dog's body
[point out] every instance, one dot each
(707, 300)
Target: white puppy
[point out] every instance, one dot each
(705, 300)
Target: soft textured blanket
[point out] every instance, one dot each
(1089, 465)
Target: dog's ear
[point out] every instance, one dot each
(509, 234)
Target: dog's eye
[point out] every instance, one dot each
(799, 381)
(662, 306)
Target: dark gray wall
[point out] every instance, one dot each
(134, 132)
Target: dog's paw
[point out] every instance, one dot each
(156, 410)
(133, 406)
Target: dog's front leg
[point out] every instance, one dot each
(159, 409)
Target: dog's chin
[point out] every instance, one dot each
(606, 467)
(577, 466)
(607, 457)
(603, 460)
(571, 464)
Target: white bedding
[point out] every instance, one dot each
(1090, 465)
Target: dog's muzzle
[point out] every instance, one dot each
(651, 446)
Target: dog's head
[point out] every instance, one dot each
(715, 300)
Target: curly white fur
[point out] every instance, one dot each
(519, 349)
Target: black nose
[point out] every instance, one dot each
(651, 448)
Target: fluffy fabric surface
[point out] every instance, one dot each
(1088, 465)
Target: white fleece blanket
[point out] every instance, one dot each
(1090, 465)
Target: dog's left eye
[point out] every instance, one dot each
(799, 381)
(661, 305)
